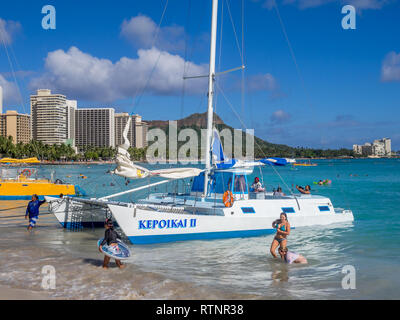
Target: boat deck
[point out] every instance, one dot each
(189, 204)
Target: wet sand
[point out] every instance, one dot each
(78, 265)
(8, 293)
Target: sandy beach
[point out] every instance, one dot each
(8, 293)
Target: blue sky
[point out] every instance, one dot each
(345, 90)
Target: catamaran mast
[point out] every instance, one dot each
(211, 79)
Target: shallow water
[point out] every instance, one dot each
(222, 269)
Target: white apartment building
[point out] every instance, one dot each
(140, 132)
(51, 117)
(380, 148)
(95, 127)
(72, 106)
(137, 131)
(388, 146)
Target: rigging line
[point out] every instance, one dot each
(156, 63)
(237, 115)
(234, 31)
(243, 71)
(19, 68)
(185, 59)
(12, 69)
(219, 55)
(14, 76)
(291, 51)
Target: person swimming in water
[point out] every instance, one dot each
(110, 238)
(306, 190)
(282, 226)
(291, 257)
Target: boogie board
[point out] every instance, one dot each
(120, 251)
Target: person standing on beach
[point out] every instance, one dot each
(32, 210)
(110, 238)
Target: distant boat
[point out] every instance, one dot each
(22, 183)
(305, 164)
(11, 160)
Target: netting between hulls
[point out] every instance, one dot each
(78, 215)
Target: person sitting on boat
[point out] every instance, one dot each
(291, 257)
(110, 238)
(306, 190)
(257, 186)
(282, 226)
(32, 210)
(278, 192)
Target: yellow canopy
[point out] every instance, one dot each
(10, 160)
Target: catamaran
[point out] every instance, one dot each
(219, 204)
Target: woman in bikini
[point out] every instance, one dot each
(282, 231)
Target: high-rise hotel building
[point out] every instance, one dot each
(16, 125)
(137, 131)
(95, 127)
(51, 117)
(57, 120)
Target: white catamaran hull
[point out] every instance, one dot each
(78, 213)
(247, 218)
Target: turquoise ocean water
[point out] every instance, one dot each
(229, 268)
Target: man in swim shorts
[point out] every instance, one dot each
(291, 257)
(32, 210)
(110, 238)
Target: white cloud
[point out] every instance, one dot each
(8, 29)
(262, 82)
(367, 4)
(305, 4)
(280, 116)
(391, 67)
(80, 75)
(141, 31)
(10, 90)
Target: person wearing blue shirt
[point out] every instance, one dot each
(32, 210)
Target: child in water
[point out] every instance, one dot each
(291, 257)
(110, 238)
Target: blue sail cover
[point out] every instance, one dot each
(221, 162)
(217, 150)
(275, 161)
(219, 159)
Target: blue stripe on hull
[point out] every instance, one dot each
(199, 236)
(79, 225)
(86, 224)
